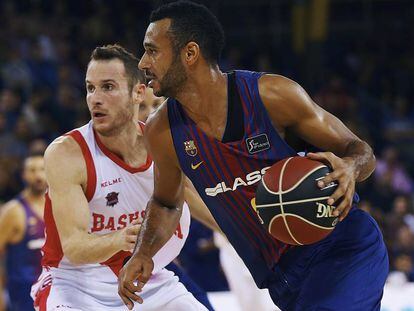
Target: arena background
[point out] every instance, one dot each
(355, 58)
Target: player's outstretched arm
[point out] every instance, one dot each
(66, 177)
(351, 159)
(163, 211)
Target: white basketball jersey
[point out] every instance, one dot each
(117, 194)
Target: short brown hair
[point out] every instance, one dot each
(115, 51)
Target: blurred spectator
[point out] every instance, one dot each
(390, 175)
(335, 98)
(10, 106)
(399, 121)
(15, 73)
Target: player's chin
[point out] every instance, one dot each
(103, 128)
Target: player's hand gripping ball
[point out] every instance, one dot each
(290, 204)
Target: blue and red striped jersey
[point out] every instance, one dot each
(226, 174)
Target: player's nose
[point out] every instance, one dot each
(95, 98)
(143, 63)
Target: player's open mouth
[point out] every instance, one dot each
(98, 115)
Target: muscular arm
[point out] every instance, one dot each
(290, 108)
(164, 210)
(66, 175)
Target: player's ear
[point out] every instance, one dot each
(191, 53)
(138, 93)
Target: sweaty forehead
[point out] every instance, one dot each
(157, 32)
(100, 70)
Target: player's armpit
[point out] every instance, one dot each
(66, 175)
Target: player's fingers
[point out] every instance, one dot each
(328, 157)
(145, 274)
(345, 203)
(329, 179)
(338, 193)
(133, 230)
(135, 222)
(125, 299)
(130, 292)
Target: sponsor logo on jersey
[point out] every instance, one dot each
(248, 180)
(112, 199)
(111, 223)
(190, 148)
(257, 143)
(194, 167)
(111, 182)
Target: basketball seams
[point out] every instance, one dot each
(296, 184)
(292, 202)
(301, 218)
(281, 201)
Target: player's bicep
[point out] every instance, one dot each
(168, 184)
(168, 177)
(323, 130)
(292, 108)
(63, 166)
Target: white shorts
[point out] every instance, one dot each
(162, 292)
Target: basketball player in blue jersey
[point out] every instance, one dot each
(222, 130)
(22, 234)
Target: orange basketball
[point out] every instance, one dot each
(291, 205)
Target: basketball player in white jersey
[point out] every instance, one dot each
(100, 178)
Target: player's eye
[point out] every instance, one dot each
(108, 87)
(90, 88)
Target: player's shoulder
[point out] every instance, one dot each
(158, 120)
(285, 100)
(158, 138)
(64, 157)
(157, 127)
(13, 212)
(278, 87)
(62, 149)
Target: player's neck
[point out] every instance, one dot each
(128, 144)
(36, 201)
(33, 196)
(205, 93)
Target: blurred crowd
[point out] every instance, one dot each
(365, 81)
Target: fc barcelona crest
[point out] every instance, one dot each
(190, 148)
